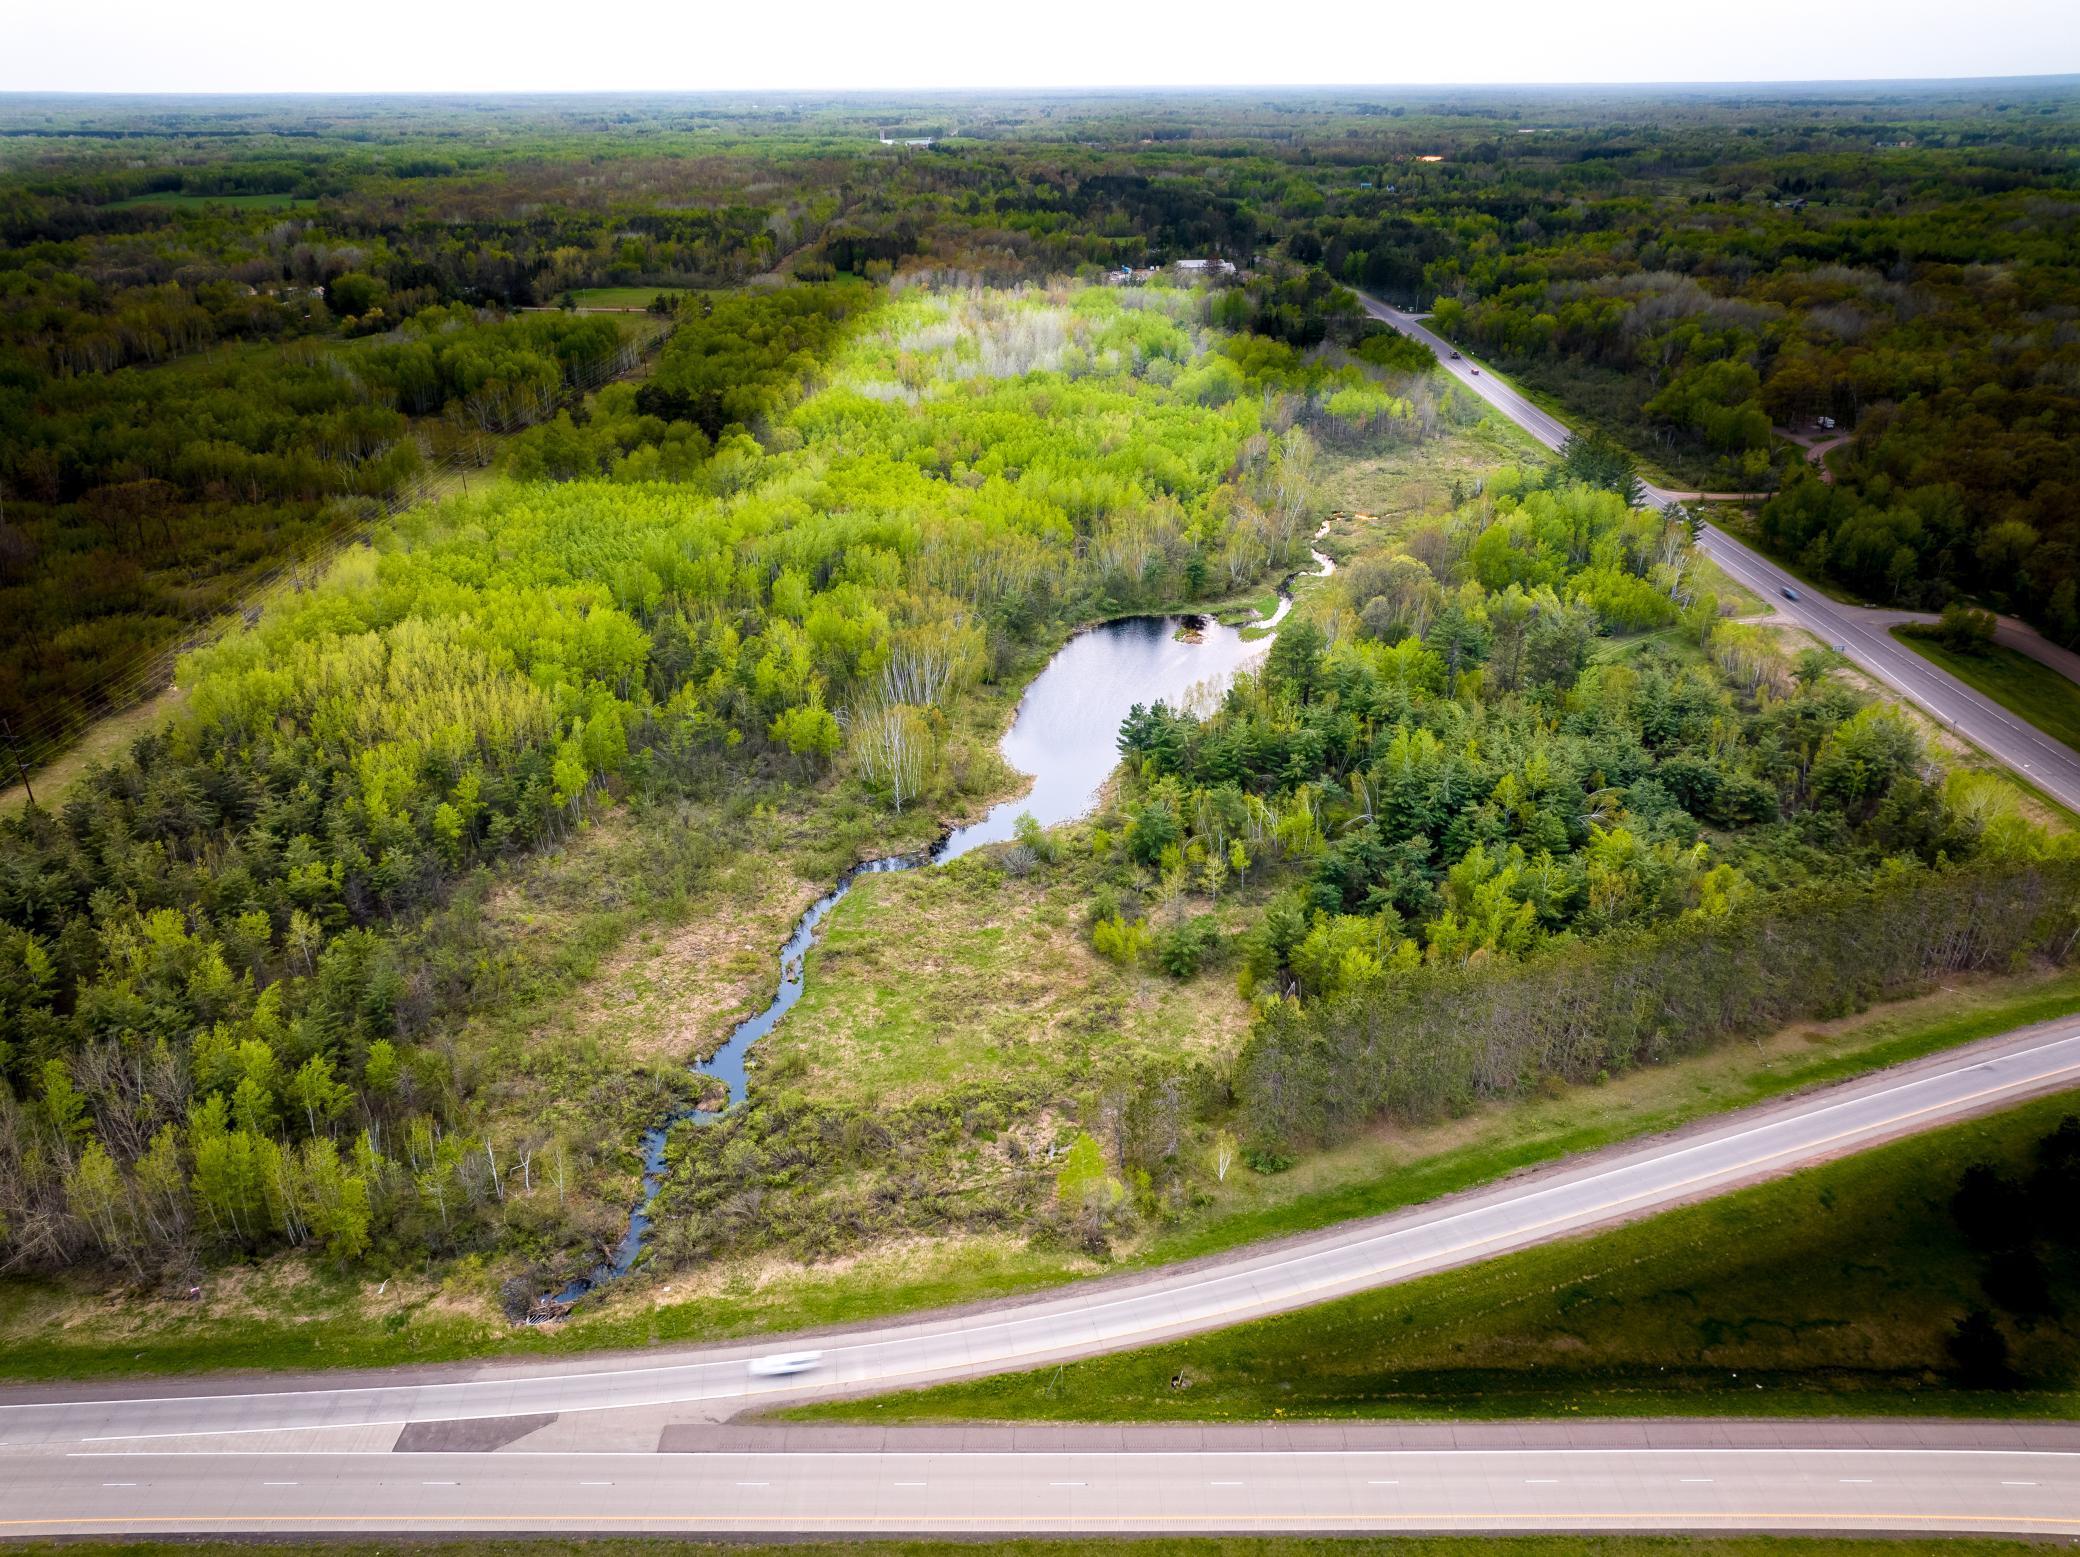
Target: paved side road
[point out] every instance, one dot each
(2050, 765)
(1635, 1180)
(1853, 1489)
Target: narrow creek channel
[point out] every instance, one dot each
(1066, 736)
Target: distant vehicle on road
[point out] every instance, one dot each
(782, 1364)
(1455, 356)
(1476, 372)
(1790, 593)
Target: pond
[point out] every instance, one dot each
(1066, 736)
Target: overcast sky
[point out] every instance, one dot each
(865, 45)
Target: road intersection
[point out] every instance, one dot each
(2049, 765)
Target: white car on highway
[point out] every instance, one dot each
(782, 1364)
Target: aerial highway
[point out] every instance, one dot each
(1617, 1476)
(2050, 765)
(320, 1452)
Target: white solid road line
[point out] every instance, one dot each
(1469, 1488)
(2049, 764)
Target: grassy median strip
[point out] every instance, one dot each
(1850, 1288)
(1141, 1546)
(2025, 687)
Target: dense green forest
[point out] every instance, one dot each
(145, 498)
(1510, 803)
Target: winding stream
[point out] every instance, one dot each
(1065, 735)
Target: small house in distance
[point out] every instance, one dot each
(1199, 269)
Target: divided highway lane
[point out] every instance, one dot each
(1857, 1489)
(1102, 1317)
(2050, 765)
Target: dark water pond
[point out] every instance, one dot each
(1065, 735)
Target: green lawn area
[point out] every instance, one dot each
(2023, 686)
(622, 297)
(1833, 1292)
(1140, 1546)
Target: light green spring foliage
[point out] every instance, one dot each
(964, 452)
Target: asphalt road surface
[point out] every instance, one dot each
(2030, 1491)
(2050, 765)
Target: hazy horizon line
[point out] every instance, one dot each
(2065, 77)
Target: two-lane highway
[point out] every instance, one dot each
(1616, 1486)
(2050, 765)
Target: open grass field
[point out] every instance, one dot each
(946, 977)
(1398, 487)
(2018, 683)
(1835, 1291)
(622, 297)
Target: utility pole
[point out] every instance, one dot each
(20, 766)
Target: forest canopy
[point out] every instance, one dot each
(217, 949)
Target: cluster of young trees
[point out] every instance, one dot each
(1455, 778)
(1428, 1040)
(210, 982)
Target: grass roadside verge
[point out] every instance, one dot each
(1836, 1291)
(1401, 1168)
(1142, 1546)
(285, 1315)
(2027, 689)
